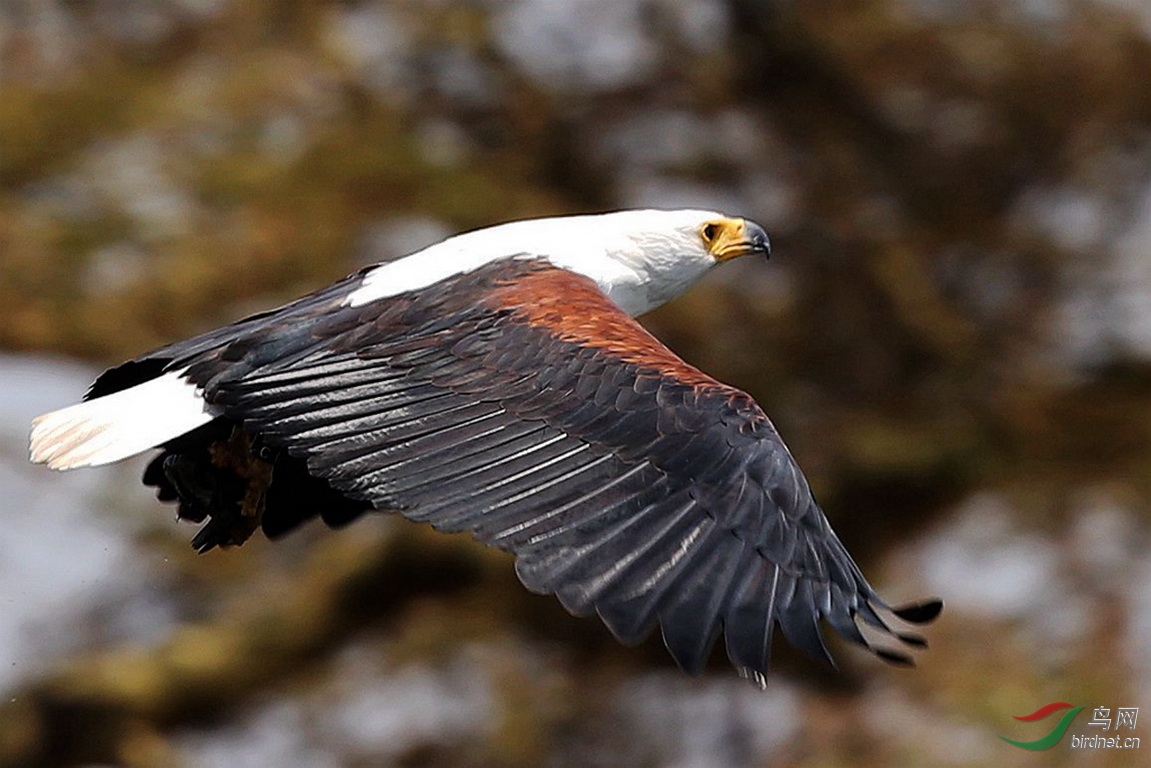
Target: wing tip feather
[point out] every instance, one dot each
(920, 612)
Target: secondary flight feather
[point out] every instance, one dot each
(496, 383)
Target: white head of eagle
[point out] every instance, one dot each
(496, 383)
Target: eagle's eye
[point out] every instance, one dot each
(710, 231)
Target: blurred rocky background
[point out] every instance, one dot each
(954, 336)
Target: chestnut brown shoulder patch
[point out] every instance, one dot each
(572, 308)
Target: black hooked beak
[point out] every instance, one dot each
(757, 238)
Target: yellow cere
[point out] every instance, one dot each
(726, 238)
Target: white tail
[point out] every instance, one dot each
(119, 425)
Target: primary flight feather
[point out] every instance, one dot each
(496, 383)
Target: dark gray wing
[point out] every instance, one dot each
(518, 403)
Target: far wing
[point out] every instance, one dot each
(518, 403)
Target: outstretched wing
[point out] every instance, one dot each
(518, 403)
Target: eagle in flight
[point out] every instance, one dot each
(496, 383)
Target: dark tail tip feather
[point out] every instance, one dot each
(921, 612)
(912, 639)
